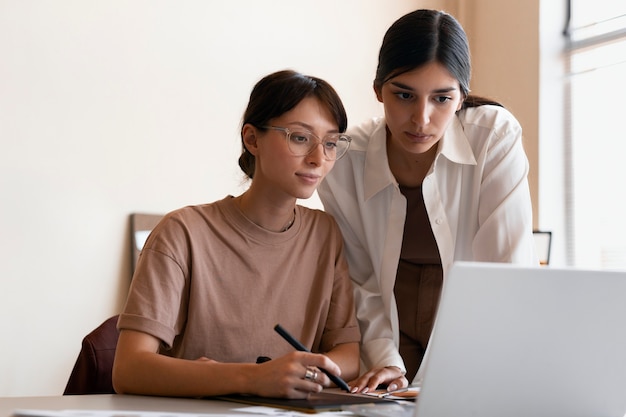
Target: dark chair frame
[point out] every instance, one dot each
(92, 372)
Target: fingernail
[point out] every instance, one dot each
(365, 390)
(354, 389)
(392, 387)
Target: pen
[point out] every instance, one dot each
(388, 393)
(299, 346)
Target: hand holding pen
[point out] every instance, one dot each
(310, 374)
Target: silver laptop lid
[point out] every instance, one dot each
(514, 341)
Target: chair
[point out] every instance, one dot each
(92, 372)
(543, 242)
(141, 224)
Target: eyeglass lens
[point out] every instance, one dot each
(303, 143)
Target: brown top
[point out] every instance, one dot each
(211, 283)
(418, 282)
(418, 243)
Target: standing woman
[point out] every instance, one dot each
(213, 280)
(441, 178)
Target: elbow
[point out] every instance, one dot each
(118, 382)
(119, 378)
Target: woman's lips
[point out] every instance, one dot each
(309, 178)
(418, 137)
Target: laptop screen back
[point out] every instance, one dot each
(513, 341)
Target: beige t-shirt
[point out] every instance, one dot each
(209, 282)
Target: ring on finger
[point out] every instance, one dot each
(310, 374)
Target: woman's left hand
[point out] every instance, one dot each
(391, 376)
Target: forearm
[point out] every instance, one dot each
(154, 374)
(378, 348)
(346, 356)
(140, 369)
(381, 352)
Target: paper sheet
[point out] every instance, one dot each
(266, 411)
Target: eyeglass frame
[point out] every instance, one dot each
(287, 131)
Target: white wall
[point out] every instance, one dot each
(112, 107)
(504, 37)
(552, 124)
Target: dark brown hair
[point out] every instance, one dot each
(276, 94)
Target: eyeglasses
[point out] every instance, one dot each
(302, 142)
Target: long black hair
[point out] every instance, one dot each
(424, 36)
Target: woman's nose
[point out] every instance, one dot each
(316, 155)
(421, 114)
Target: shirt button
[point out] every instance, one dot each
(438, 221)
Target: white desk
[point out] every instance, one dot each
(106, 406)
(119, 402)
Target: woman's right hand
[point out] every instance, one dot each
(286, 376)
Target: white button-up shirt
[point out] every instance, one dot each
(478, 201)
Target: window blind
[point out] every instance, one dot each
(595, 149)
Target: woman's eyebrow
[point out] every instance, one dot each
(437, 91)
(308, 127)
(444, 90)
(401, 85)
(301, 125)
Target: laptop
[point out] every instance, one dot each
(517, 341)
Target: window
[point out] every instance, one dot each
(596, 135)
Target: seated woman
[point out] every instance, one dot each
(213, 280)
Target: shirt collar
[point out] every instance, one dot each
(377, 175)
(454, 146)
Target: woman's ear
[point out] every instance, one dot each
(461, 102)
(379, 93)
(249, 136)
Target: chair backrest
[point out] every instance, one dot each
(92, 372)
(543, 242)
(141, 224)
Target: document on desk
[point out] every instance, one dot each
(326, 401)
(107, 413)
(409, 393)
(253, 410)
